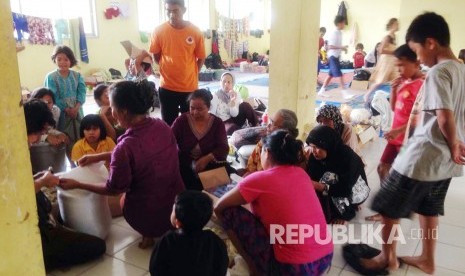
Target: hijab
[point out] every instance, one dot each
(223, 95)
(333, 113)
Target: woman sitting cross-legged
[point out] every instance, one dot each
(144, 164)
(334, 169)
(201, 139)
(281, 197)
(228, 105)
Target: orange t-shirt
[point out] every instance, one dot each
(180, 49)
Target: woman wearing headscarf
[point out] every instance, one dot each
(330, 115)
(227, 104)
(335, 169)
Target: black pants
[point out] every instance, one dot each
(246, 112)
(63, 247)
(171, 103)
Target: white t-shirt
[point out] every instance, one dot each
(370, 57)
(426, 156)
(223, 110)
(335, 39)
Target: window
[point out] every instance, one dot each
(59, 9)
(151, 13)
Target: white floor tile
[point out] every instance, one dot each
(135, 256)
(448, 256)
(453, 216)
(114, 267)
(338, 261)
(120, 237)
(413, 271)
(121, 221)
(334, 271)
(449, 234)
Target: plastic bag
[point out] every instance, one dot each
(85, 211)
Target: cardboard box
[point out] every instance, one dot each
(366, 133)
(359, 85)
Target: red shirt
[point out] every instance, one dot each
(359, 60)
(406, 95)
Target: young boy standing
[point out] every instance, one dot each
(190, 250)
(433, 154)
(403, 95)
(359, 56)
(334, 53)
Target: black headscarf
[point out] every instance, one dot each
(340, 159)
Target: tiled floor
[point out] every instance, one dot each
(123, 257)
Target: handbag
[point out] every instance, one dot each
(360, 191)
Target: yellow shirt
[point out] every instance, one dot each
(179, 49)
(81, 148)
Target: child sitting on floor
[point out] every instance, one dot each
(103, 101)
(94, 138)
(189, 250)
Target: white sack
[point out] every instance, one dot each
(85, 211)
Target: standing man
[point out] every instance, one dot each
(334, 53)
(178, 47)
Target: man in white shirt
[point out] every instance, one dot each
(334, 53)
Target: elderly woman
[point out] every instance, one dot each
(334, 169)
(330, 115)
(270, 193)
(228, 105)
(282, 119)
(201, 139)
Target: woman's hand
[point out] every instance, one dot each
(104, 110)
(56, 140)
(320, 187)
(87, 160)
(72, 112)
(202, 163)
(392, 134)
(232, 95)
(45, 179)
(68, 184)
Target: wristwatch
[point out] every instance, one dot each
(326, 189)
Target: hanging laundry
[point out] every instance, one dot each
(77, 41)
(62, 30)
(20, 25)
(40, 30)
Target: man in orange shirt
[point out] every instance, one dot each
(178, 47)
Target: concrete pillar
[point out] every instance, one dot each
(293, 57)
(20, 244)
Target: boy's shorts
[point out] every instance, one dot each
(400, 196)
(390, 153)
(334, 67)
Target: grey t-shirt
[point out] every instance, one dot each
(426, 156)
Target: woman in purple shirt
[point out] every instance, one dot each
(144, 164)
(201, 138)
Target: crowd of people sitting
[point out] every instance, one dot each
(154, 164)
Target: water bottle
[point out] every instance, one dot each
(265, 118)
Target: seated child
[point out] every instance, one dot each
(53, 136)
(111, 125)
(229, 107)
(94, 138)
(359, 56)
(189, 250)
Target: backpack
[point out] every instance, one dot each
(361, 75)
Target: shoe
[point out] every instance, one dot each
(321, 93)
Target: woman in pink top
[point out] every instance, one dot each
(286, 232)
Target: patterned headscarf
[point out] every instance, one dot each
(333, 113)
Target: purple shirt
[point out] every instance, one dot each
(144, 165)
(213, 141)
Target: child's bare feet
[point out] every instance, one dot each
(146, 242)
(427, 266)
